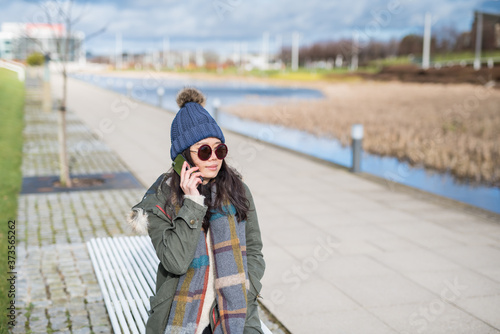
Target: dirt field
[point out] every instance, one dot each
(454, 127)
(448, 74)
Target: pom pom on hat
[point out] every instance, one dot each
(190, 94)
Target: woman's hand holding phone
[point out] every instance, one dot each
(190, 179)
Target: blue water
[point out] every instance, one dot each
(233, 92)
(229, 92)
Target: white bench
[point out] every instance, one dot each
(126, 271)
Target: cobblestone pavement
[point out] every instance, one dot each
(57, 291)
(74, 217)
(88, 155)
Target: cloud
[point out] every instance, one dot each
(218, 24)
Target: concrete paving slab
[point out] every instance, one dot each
(446, 215)
(385, 196)
(342, 322)
(434, 317)
(490, 272)
(495, 234)
(353, 205)
(416, 261)
(415, 206)
(465, 283)
(359, 232)
(394, 244)
(280, 221)
(352, 266)
(305, 288)
(391, 215)
(312, 206)
(473, 256)
(474, 239)
(355, 247)
(331, 220)
(320, 252)
(379, 291)
(298, 236)
(414, 229)
(471, 226)
(436, 241)
(283, 262)
(485, 308)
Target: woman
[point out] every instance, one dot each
(204, 228)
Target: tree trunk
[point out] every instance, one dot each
(64, 176)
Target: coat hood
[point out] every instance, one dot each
(137, 219)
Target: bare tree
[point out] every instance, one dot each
(331, 49)
(61, 12)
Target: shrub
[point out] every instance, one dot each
(35, 59)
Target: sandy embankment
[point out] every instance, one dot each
(445, 127)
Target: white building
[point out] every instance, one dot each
(18, 40)
(261, 62)
(6, 45)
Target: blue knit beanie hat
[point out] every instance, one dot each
(192, 122)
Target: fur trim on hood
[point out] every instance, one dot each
(138, 221)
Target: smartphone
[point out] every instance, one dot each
(178, 162)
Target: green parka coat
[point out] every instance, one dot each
(175, 237)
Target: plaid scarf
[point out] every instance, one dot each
(231, 278)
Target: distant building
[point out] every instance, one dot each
(491, 31)
(18, 40)
(6, 45)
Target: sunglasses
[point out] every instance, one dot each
(205, 152)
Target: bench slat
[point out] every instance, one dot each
(137, 276)
(145, 273)
(116, 276)
(146, 241)
(126, 271)
(112, 304)
(139, 256)
(147, 253)
(128, 285)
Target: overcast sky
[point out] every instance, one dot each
(218, 24)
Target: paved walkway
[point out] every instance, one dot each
(344, 254)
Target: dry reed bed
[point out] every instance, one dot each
(453, 128)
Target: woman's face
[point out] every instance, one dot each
(209, 168)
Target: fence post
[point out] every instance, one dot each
(357, 139)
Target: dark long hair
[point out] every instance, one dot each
(229, 187)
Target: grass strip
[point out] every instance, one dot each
(11, 149)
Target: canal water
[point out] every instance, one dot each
(232, 92)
